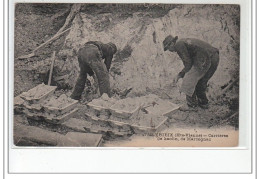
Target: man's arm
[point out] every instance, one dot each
(89, 70)
(182, 51)
(108, 61)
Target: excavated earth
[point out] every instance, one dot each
(140, 63)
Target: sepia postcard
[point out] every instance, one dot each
(126, 75)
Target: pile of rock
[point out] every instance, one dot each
(39, 104)
(146, 113)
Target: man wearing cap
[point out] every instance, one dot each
(200, 62)
(90, 61)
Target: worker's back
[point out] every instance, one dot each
(195, 46)
(89, 52)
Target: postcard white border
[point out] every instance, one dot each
(145, 160)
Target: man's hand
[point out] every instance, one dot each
(175, 80)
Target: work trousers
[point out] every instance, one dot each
(90, 57)
(195, 81)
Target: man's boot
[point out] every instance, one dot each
(191, 104)
(203, 104)
(203, 101)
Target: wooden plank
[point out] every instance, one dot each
(51, 70)
(77, 139)
(43, 44)
(34, 135)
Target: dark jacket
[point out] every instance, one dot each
(194, 52)
(106, 52)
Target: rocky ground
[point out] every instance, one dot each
(132, 29)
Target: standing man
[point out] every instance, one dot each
(200, 62)
(90, 61)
